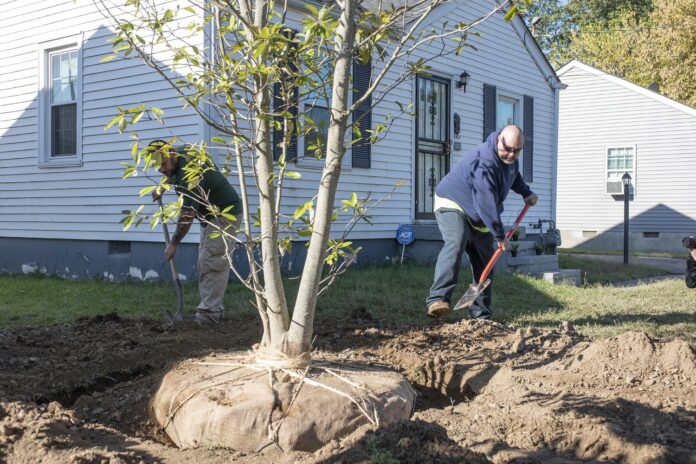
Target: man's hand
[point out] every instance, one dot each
(169, 251)
(505, 244)
(532, 199)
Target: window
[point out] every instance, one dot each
(507, 111)
(316, 108)
(60, 103)
(619, 161)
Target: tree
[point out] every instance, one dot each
(657, 48)
(550, 24)
(251, 86)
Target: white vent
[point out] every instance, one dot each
(614, 188)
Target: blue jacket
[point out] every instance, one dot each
(480, 182)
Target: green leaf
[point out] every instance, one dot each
(511, 12)
(293, 174)
(106, 58)
(145, 190)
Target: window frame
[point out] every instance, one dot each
(519, 115)
(46, 50)
(315, 99)
(634, 147)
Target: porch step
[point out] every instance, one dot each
(569, 276)
(533, 264)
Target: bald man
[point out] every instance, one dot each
(468, 204)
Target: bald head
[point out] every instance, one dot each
(510, 143)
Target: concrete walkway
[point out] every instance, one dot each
(671, 265)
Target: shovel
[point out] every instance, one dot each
(177, 315)
(475, 290)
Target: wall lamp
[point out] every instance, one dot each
(463, 80)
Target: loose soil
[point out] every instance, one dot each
(79, 393)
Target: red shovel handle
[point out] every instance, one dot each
(499, 250)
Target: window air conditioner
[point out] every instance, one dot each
(614, 188)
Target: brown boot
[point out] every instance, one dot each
(438, 309)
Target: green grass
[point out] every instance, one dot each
(596, 271)
(388, 295)
(650, 254)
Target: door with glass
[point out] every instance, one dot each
(432, 140)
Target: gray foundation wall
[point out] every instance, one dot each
(119, 261)
(637, 241)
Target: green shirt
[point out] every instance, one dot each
(213, 188)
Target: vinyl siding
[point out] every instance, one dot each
(597, 113)
(86, 202)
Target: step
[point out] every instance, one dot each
(567, 276)
(533, 263)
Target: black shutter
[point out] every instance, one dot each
(489, 105)
(291, 107)
(528, 129)
(362, 150)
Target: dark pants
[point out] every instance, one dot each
(459, 237)
(690, 272)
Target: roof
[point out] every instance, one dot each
(575, 64)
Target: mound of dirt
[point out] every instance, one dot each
(486, 392)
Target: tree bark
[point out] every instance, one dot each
(302, 326)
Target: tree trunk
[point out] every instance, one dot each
(302, 326)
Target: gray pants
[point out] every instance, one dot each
(459, 237)
(214, 266)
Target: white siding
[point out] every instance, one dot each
(86, 202)
(597, 112)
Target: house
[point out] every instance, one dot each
(62, 195)
(609, 126)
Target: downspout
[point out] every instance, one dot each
(554, 164)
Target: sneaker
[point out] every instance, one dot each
(204, 317)
(689, 242)
(438, 308)
(477, 311)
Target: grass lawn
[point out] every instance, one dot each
(651, 254)
(389, 295)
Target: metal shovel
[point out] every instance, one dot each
(475, 290)
(177, 315)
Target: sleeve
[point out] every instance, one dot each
(520, 186)
(486, 199)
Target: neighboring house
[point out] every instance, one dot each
(609, 126)
(62, 196)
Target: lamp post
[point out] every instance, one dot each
(626, 179)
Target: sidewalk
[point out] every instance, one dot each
(671, 265)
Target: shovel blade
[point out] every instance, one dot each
(471, 295)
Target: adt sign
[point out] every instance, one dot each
(405, 235)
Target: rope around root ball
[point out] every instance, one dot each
(270, 361)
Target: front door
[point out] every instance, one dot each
(432, 140)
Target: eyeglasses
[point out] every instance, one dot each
(510, 149)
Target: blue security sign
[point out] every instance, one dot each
(405, 235)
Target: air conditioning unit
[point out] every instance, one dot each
(614, 187)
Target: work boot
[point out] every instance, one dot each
(438, 308)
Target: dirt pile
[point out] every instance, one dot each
(486, 393)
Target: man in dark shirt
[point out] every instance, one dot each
(213, 252)
(690, 243)
(468, 204)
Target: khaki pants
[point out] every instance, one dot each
(214, 266)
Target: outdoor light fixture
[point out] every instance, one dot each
(626, 180)
(463, 80)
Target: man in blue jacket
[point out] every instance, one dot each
(468, 204)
